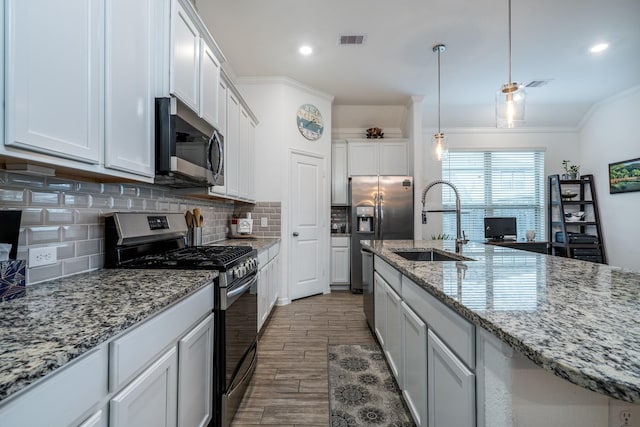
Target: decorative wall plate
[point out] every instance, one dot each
(310, 122)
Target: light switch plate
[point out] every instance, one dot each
(264, 222)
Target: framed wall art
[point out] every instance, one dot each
(624, 177)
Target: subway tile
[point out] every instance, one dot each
(78, 200)
(86, 216)
(39, 198)
(96, 261)
(47, 272)
(75, 232)
(144, 192)
(112, 189)
(121, 204)
(12, 197)
(96, 231)
(22, 253)
(45, 234)
(27, 181)
(60, 184)
(136, 204)
(32, 216)
(88, 247)
(150, 205)
(66, 250)
(90, 187)
(59, 216)
(101, 202)
(129, 191)
(75, 265)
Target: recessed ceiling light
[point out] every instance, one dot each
(599, 47)
(306, 50)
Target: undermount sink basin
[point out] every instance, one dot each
(429, 255)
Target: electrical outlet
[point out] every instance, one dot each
(42, 256)
(264, 221)
(623, 414)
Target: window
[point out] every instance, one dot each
(494, 183)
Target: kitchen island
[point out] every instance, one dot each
(574, 319)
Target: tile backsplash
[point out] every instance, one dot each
(69, 214)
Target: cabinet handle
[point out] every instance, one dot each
(296, 234)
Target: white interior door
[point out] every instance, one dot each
(308, 255)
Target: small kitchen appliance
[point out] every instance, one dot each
(157, 240)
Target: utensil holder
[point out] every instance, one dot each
(194, 236)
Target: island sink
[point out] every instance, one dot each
(430, 255)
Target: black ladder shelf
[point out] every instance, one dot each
(571, 236)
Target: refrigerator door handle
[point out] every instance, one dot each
(380, 216)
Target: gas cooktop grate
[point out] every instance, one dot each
(191, 257)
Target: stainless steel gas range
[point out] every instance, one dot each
(157, 240)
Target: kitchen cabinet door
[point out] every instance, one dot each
(414, 364)
(232, 142)
(339, 174)
(451, 387)
(393, 158)
(340, 260)
(243, 154)
(362, 158)
(274, 281)
(263, 294)
(222, 128)
(99, 419)
(151, 398)
(379, 289)
(209, 85)
(393, 331)
(195, 376)
(54, 77)
(185, 57)
(251, 161)
(129, 86)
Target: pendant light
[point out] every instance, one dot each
(439, 140)
(510, 98)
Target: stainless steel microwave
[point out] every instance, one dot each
(189, 151)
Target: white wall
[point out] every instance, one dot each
(611, 133)
(275, 102)
(557, 144)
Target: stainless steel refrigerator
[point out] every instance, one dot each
(381, 209)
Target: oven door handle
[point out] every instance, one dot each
(229, 298)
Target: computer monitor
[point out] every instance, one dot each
(500, 228)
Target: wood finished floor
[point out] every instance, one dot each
(290, 385)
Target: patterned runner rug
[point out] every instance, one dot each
(362, 391)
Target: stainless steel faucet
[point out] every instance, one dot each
(461, 238)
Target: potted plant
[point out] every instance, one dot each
(574, 172)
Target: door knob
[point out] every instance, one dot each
(296, 234)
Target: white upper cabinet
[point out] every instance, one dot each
(129, 86)
(339, 174)
(54, 77)
(185, 57)
(231, 145)
(209, 85)
(378, 157)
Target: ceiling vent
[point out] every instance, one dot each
(538, 83)
(351, 39)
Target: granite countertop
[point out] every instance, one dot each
(574, 318)
(58, 321)
(258, 243)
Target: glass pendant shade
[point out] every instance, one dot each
(510, 101)
(439, 146)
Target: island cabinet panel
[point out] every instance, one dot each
(393, 330)
(457, 332)
(392, 276)
(451, 387)
(151, 399)
(380, 295)
(99, 419)
(414, 364)
(67, 397)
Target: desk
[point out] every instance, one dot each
(535, 246)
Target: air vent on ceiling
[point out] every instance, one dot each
(351, 39)
(538, 83)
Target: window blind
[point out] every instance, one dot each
(494, 183)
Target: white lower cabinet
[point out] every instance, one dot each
(380, 295)
(99, 419)
(414, 364)
(340, 261)
(268, 281)
(151, 399)
(195, 371)
(393, 331)
(451, 387)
